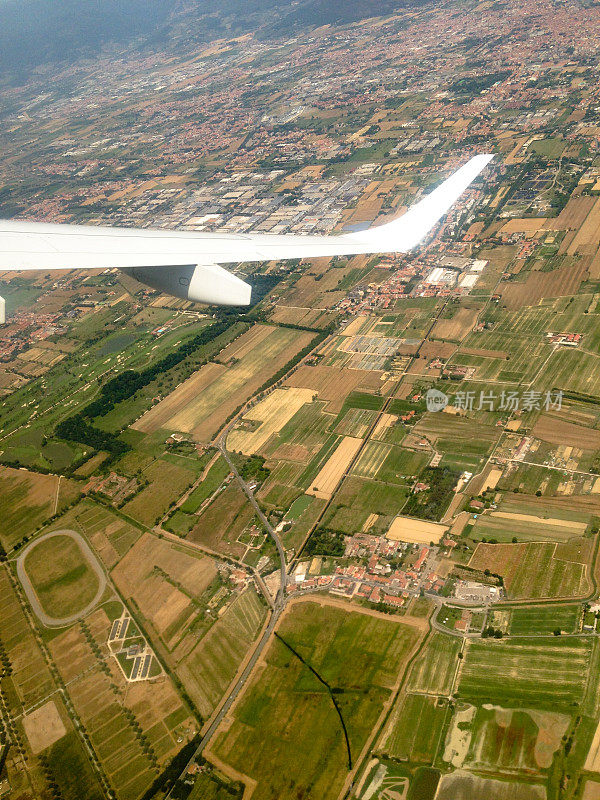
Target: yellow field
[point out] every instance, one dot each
(272, 413)
(586, 238)
(43, 727)
(385, 421)
(492, 479)
(417, 531)
(201, 404)
(329, 476)
(354, 327)
(592, 762)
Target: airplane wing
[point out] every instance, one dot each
(187, 264)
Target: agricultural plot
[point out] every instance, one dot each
(538, 569)
(28, 499)
(417, 531)
(201, 404)
(334, 384)
(545, 619)
(30, 677)
(167, 482)
(462, 785)
(504, 526)
(285, 723)
(546, 673)
(212, 663)
(330, 475)
(61, 575)
(267, 418)
(510, 739)
(303, 435)
(358, 499)
(571, 370)
(457, 325)
(356, 422)
(371, 459)
(223, 521)
(415, 728)
(167, 585)
(209, 485)
(110, 536)
(502, 356)
(454, 436)
(554, 429)
(133, 730)
(434, 668)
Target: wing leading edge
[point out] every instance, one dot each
(39, 246)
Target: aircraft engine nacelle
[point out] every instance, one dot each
(200, 283)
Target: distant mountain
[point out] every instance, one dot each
(34, 32)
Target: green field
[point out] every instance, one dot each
(356, 422)
(99, 522)
(167, 482)
(389, 463)
(286, 734)
(434, 668)
(212, 664)
(71, 770)
(27, 500)
(415, 730)
(214, 478)
(547, 673)
(61, 576)
(358, 498)
(543, 574)
(545, 619)
(501, 529)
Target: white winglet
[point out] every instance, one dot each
(409, 230)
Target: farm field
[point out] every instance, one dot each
(415, 728)
(417, 531)
(134, 731)
(434, 668)
(202, 403)
(514, 739)
(212, 663)
(110, 536)
(538, 569)
(547, 673)
(166, 584)
(552, 428)
(167, 482)
(334, 384)
(223, 521)
(330, 475)
(61, 575)
(212, 480)
(545, 619)
(462, 785)
(458, 325)
(28, 499)
(285, 722)
(267, 418)
(506, 525)
(358, 499)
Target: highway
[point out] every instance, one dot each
(277, 609)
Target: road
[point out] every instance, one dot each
(280, 601)
(277, 609)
